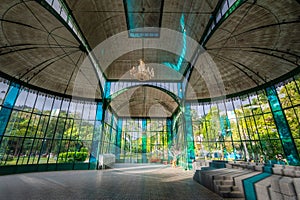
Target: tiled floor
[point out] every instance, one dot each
(125, 181)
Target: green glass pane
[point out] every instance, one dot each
(283, 128)
(9, 102)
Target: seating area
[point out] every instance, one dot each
(251, 180)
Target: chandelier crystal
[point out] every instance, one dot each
(141, 72)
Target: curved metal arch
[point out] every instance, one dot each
(171, 94)
(84, 45)
(207, 33)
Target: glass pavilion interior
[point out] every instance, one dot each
(225, 82)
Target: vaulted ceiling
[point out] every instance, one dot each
(257, 43)
(37, 49)
(144, 102)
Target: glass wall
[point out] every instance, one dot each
(46, 129)
(41, 128)
(148, 133)
(118, 86)
(108, 142)
(243, 128)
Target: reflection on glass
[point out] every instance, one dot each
(38, 128)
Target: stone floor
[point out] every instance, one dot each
(125, 181)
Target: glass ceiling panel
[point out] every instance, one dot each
(140, 14)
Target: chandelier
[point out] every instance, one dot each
(141, 72)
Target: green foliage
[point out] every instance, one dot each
(73, 156)
(253, 127)
(84, 150)
(6, 157)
